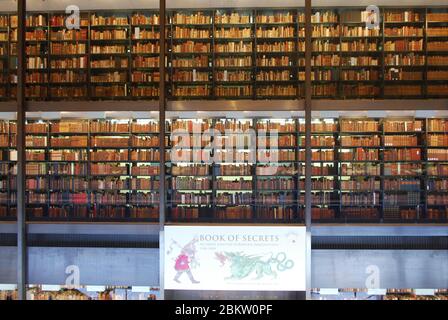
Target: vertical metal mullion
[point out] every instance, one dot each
(21, 182)
(162, 182)
(48, 56)
(89, 89)
(212, 49)
(254, 69)
(308, 33)
(130, 56)
(425, 51)
(383, 55)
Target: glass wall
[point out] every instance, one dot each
(229, 53)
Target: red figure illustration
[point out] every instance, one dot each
(184, 261)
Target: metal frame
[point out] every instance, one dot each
(162, 180)
(162, 105)
(230, 105)
(308, 110)
(21, 170)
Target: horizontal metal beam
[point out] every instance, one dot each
(231, 105)
(94, 228)
(379, 230)
(8, 106)
(140, 267)
(400, 269)
(85, 106)
(235, 105)
(152, 228)
(388, 104)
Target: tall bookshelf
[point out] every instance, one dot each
(436, 169)
(8, 170)
(38, 185)
(234, 170)
(110, 48)
(37, 55)
(363, 169)
(93, 170)
(145, 75)
(360, 169)
(4, 54)
(277, 173)
(191, 42)
(404, 192)
(276, 41)
(230, 53)
(189, 170)
(404, 50)
(233, 53)
(12, 59)
(436, 51)
(326, 48)
(324, 168)
(68, 58)
(361, 58)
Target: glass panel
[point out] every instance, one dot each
(82, 167)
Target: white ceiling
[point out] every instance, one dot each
(230, 115)
(35, 5)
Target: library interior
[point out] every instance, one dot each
(310, 134)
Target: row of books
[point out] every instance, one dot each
(364, 141)
(412, 154)
(95, 127)
(400, 140)
(96, 142)
(395, 212)
(402, 185)
(321, 31)
(437, 140)
(358, 154)
(227, 16)
(234, 184)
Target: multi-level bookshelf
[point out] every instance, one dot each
(12, 59)
(38, 187)
(145, 75)
(189, 170)
(404, 51)
(361, 60)
(363, 169)
(360, 168)
(276, 42)
(68, 58)
(191, 42)
(403, 169)
(4, 54)
(8, 170)
(233, 181)
(93, 170)
(229, 54)
(324, 170)
(233, 53)
(326, 48)
(233, 170)
(277, 173)
(110, 48)
(436, 169)
(37, 55)
(436, 52)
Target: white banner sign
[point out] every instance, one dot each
(235, 258)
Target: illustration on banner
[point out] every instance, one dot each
(244, 265)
